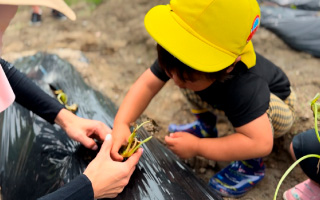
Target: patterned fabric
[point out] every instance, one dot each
(196, 101)
(280, 113)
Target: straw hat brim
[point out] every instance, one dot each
(59, 5)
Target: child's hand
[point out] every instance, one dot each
(120, 133)
(184, 144)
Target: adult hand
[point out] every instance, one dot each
(183, 144)
(120, 134)
(109, 177)
(82, 130)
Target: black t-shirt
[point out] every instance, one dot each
(246, 95)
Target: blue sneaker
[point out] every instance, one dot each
(238, 178)
(204, 127)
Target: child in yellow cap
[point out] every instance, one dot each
(205, 48)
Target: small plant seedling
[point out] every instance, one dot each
(63, 99)
(133, 143)
(315, 107)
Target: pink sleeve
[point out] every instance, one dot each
(6, 94)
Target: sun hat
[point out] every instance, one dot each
(207, 35)
(59, 5)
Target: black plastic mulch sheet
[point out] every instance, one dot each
(298, 28)
(36, 157)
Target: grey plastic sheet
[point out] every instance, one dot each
(37, 158)
(300, 4)
(298, 28)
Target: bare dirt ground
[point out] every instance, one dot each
(110, 47)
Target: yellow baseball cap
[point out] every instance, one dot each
(59, 5)
(207, 35)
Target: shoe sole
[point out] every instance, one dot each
(229, 195)
(35, 23)
(284, 195)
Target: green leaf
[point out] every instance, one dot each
(132, 147)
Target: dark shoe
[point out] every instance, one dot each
(238, 178)
(58, 15)
(35, 19)
(204, 126)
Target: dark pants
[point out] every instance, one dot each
(307, 143)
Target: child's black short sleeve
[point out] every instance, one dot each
(158, 72)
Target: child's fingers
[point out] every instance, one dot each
(169, 140)
(115, 153)
(176, 134)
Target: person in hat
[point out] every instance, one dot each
(302, 144)
(36, 15)
(205, 48)
(103, 178)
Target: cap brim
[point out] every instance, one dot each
(59, 5)
(190, 50)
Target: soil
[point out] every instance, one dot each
(110, 47)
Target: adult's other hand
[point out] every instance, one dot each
(109, 177)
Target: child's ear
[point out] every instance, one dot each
(237, 60)
(234, 64)
(230, 69)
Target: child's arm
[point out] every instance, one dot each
(133, 105)
(252, 140)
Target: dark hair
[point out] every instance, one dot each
(170, 64)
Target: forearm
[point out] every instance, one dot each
(29, 95)
(64, 117)
(232, 147)
(79, 188)
(132, 107)
(252, 140)
(138, 98)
